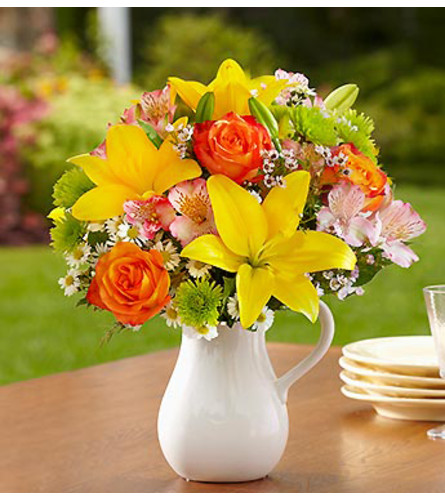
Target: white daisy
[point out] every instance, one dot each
(70, 283)
(197, 269)
(264, 321)
(233, 307)
(79, 255)
(169, 254)
(101, 249)
(171, 316)
(131, 233)
(94, 227)
(112, 225)
(203, 332)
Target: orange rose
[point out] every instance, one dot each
(359, 170)
(231, 146)
(131, 283)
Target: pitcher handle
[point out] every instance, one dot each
(326, 336)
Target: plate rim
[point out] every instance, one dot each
(374, 398)
(382, 362)
(362, 384)
(367, 372)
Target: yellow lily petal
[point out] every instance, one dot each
(190, 92)
(308, 252)
(103, 202)
(283, 206)
(254, 286)
(231, 96)
(171, 169)
(268, 88)
(298, 294)
(211, 250)
(229, 70)
(181, 121)
(57, 214)
(97, 169)
(131, 156)
(239, 217)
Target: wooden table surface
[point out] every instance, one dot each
(94, 430)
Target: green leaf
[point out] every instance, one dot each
(151, 133)
(70, 187)
(205, 108)
(342, 98)
(96, 237)
(229, 287)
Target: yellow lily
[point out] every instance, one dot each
(134, 169)
(232, 89)
(261, 244)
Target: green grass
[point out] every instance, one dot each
(42, 332)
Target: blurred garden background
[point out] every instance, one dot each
(58, 92)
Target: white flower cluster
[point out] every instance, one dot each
(182, 134)
(276, 164)
(340, 159)
(342, 285)
(297, 90)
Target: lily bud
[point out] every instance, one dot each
(265, 116)
(342, 98)
(205, 108)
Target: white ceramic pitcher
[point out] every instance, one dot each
(223, 417)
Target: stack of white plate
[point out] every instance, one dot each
(399, 376)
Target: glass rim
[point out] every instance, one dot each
(434, 289)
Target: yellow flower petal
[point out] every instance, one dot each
(97, 169)
(254, 286)
(231, 96)
(232, 89)
(283, 206)
(190, 92)
(239, 217)
(268, 88)
(131, 156)
(307, 252)
(229, 70)
(183, 120)
(57, 214)
(211, 250)
(171, 169)
(103, 202)
(298, 294)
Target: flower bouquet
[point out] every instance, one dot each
(259, 196)
(263, 197)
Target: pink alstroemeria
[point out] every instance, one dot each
(152, 214)
(155, 108)
(395, 224)
(344, 216)
(191, 200)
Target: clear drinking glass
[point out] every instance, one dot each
(435, 306)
